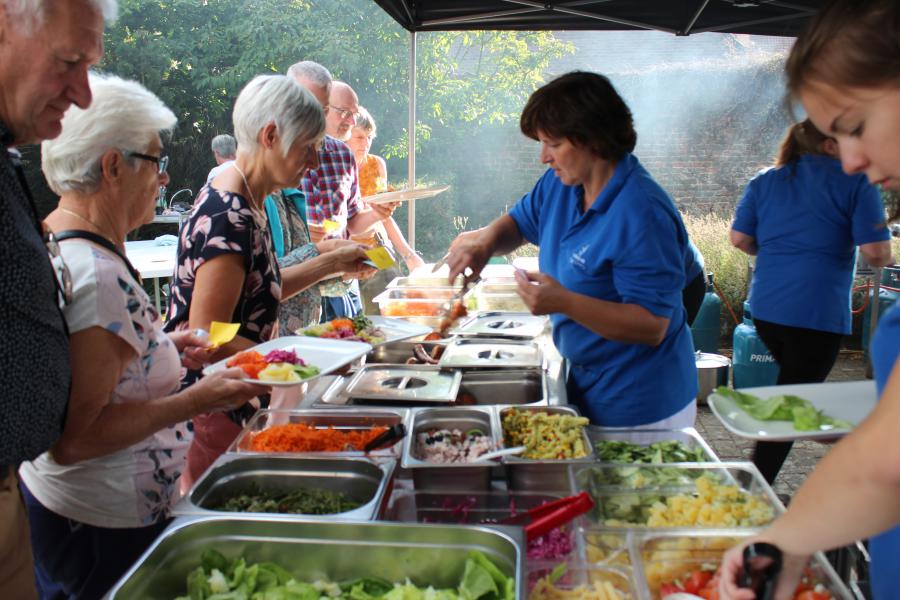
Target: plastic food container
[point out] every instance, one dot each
(407, 302)
(689, 437)
(665, 557)
(596, 582)
(683, 495)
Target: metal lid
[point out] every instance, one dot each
(705, 360)
(399, 383)
(490, 353)
(502, 324)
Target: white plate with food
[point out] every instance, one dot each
(832, 410)
(405, 195)
(292, 360)
(373, 330)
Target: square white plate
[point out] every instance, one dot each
(848, 400)
(394, 330)
(328, 355)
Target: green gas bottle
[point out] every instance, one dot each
(706, 329)
(753, 364)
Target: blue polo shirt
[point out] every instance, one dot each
(885, 548)
(629, 247)
(807, 218)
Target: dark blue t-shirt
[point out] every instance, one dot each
(885, 548)
(807, 218)
(629, 247)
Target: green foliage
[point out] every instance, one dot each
(728, 264)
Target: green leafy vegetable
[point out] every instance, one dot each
(221, 579)
(305, 502)
(800, 411)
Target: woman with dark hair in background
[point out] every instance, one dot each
(612, 259)
(845, 70)
(803, 219)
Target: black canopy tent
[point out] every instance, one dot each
(678, 17)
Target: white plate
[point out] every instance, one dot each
(848, 400)
(328, 355)
(405, 195)
(394, 329)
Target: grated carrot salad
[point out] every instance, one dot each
(299, 437)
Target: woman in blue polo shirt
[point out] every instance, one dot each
(612, 259)
(802, 219)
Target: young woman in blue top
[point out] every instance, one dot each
(845, 70)
(803, 219)
(612, 259)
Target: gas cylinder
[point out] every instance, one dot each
(890, 277)
(753, 364)
(706, 329)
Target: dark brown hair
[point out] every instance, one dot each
(852, 43)
(801, 138)
(585, 109)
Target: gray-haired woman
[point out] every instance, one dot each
(102, 494)
(227, 269)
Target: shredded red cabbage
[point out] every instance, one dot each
(287, 356)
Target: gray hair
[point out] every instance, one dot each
(365, 121)
(224, 145)
(280, 100)
(123, 115)
(311, 71)
(30, 14)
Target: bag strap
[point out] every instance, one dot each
(72, 234)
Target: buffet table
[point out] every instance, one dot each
(653, 506)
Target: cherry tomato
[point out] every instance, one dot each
(812, 595)
(669, 588)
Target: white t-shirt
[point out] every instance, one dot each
(135, 486)
(218, 169)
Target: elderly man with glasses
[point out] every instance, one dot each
(333, 205)
(46, 49)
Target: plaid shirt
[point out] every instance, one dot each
(332, 190)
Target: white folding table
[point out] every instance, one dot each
(152, 261)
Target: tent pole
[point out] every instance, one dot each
(411, 141)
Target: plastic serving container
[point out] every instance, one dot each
(683, 495)
(689, 437)
(408, 302)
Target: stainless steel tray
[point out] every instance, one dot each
(339, 419)
(456, 476)
(688, 436)
(426, 554)
(362, 480)
(484, 353)
(502, 324)
(399, 383)
(524, 474)
(504, 386)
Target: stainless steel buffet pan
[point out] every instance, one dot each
(362, 480)
(426, 554)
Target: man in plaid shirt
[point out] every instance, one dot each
(332, 190)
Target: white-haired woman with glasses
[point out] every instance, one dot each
(101, 495)
(227, 269)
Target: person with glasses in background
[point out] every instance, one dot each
(334, 208)
(46, 49)
(101, 494)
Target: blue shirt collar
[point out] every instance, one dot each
(623, 170)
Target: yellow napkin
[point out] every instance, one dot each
(222, 333)
(380, 257)
(331, 226)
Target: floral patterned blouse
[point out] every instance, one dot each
(224, 223)
(138, 484)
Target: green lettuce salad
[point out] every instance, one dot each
(804, 415)
(218, 578)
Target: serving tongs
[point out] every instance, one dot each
(761, 568)
(392, 435)
(547, 517)
(447, 316)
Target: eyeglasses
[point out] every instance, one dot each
(161, 161)
(63, 278)
(344, 113)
